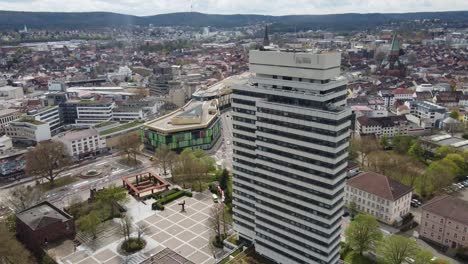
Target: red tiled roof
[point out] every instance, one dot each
(449, 207)
(379, 185)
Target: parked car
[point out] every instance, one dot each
(409, 260)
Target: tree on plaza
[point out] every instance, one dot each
(192, 167)
(363, 233)
(216, 222)
(126, 227)
(164, 157)
(11, 250)
(110, 196)
(89, 223)
(47, 160)
(129, 145)
(395, 248)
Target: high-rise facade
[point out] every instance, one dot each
(291, 131)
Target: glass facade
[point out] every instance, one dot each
(195, 139)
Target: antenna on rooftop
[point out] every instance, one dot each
(191, 6)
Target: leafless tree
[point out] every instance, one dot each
(47, 160)
(216, 222)
(130, 145)
(126, 227)
(164, 158)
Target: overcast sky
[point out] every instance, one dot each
(272, 7)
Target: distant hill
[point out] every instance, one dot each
(49, 20)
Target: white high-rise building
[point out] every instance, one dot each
(291, 131)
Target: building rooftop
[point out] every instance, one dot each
(379, 185)
(78, 134)
(449, 207)
(42, 215)
(193, 115)
(4, 112)
(223, 86)
(120, 128)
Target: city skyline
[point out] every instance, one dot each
(277, 8)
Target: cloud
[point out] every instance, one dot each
(272, 7)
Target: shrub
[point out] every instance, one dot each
(157, 206)
(188, 194)
(133, 245)
(165, 193)
(213, 188)
(171, 197)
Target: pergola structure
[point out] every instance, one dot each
(144, 184)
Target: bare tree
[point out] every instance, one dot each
(47, 160)
(23, 197)
(126, 227)
(216, 222)
(164, 158)
(130, 145)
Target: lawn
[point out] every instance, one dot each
(353, 257)
(59, 182)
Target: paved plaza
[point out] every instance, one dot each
(185, 233)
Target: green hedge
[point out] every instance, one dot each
(165, 193)
(159, 204)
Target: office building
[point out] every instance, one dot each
(290, 141)
(49, 115)
(82, 144)
(27, 131)
(196, 125)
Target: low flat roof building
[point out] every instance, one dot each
(196, 126)
(42, 224)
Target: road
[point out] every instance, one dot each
(111, 171)
(223, 155)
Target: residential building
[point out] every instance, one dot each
(388, 126)
(196, 125)
(27, 131)
(7, 115)
(42, 224)
(11, 92)
(290, 141)
(427, 115)
(376, 194)
(444, 220)
(82, 144)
